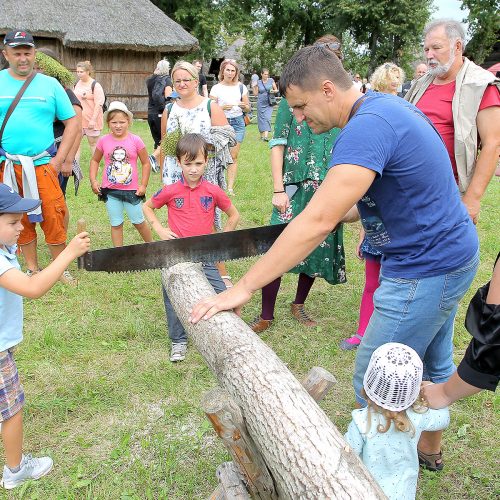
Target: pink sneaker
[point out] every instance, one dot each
(351, 343)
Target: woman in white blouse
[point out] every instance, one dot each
(232, 97)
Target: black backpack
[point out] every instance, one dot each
(105, 105)
(158, 92)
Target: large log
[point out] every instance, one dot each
(303, 450)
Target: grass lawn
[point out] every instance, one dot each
(122, 422)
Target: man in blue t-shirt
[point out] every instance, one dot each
(27, 146)
(390, 161)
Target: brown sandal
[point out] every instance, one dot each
(430, 461)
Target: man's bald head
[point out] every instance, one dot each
(420, 70)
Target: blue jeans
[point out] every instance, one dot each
(238, 124)
(419, 313)
(176, 331)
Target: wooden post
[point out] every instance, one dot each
(305, 453)
(318, 382)
(227, 420)
(230, 485)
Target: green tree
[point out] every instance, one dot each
(373, 32)
(391, 31)
(263, 51)
(299, 22)
(210, 21)
(484, 27)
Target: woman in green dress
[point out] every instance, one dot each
(299, 163)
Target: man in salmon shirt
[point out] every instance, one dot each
(463, 102)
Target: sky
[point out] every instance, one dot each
(449, 8)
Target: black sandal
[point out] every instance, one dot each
(430, 461)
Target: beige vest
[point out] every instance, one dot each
(471, 82)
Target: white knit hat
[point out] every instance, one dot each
(392, 379)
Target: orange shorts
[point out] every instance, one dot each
(53, 206)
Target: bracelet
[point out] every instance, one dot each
(278, 192)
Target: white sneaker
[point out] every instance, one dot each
(154, 164)
(31, 468)
(68, 279)
(30, 273)
(178, 352)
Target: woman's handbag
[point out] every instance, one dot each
(247, 115)
(271, 98)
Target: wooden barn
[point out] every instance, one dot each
(123, 39)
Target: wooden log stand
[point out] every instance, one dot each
(283, 445)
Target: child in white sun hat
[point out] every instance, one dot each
(386, 432)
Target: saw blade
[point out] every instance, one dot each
(216, 247)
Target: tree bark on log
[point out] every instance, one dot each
(306, 454)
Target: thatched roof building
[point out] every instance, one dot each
(123, 39)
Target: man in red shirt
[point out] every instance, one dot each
(463, 102)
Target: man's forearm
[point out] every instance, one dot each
(483, 172)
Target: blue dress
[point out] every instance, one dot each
(264, 111)
(391, 457)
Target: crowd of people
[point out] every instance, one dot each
(413, 170)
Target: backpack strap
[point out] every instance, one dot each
(92, 86)
(169, 107)
(241, 90)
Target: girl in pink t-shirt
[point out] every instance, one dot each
(120, 187)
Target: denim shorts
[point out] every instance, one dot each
(115, 208)
(419, 313)
(238, 124)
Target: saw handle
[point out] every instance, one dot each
(81, 227)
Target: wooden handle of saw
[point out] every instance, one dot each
(81, 227)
